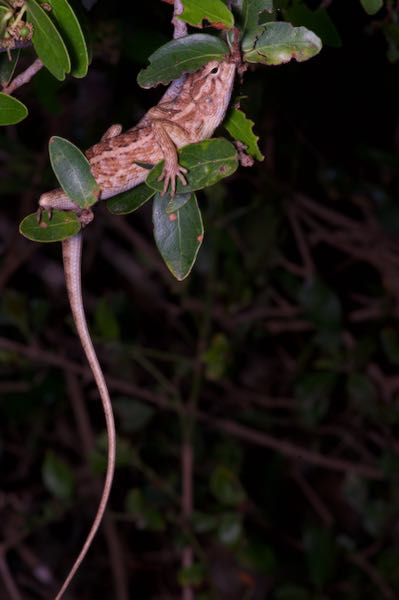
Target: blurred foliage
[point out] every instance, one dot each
(283, 345)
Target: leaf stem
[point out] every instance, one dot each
(23, 77)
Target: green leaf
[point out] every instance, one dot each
(372, 6)
(226, 486)
(7, 67)
(106, 323)
(207, 162)
(193, 575)
(145, 515)
(217, 357)
(47, 41)
(313, 392)
(278, 43)
(230, 528)
(176, 202)
(258, 556)
(320, 555)
(241, 128)
(72, 170)
(321, 305)
(58, 477)
(129, 201)
(178, 235)
(133, 415)
(72, 34)
(184, 55)
(317, 21)
(11, 110)
(63, 224)
(251, 12)
(5, 14)
(215, 12)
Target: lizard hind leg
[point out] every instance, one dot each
(112, 131)
(56, 199)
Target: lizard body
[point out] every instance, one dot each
(189, 111)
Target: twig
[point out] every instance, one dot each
(15, 46)
(180, 27)
(307, 261)
(363, 564)
(319, 507)
(9, 583)
(23, 77)
(243, 432)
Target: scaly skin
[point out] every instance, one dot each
(189, 112)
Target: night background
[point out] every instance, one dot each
(274, 365)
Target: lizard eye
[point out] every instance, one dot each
(215, 70)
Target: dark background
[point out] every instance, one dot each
(275, 363)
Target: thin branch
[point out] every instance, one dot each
(15, 46)
(23, 77)
(379, 581)
(292, 451)
(9, 583)
(88, 441)
(180, 27)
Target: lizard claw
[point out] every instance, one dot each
(39, 213)
(169, 174)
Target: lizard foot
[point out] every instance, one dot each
(40, 211)
(85, 216)
(169, 174)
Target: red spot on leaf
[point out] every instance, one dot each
(200, 237)
(220, 26)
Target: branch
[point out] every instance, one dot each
(23, 77)
(88, 442)
(9, 583)
(259, 438)
(15, 46)
(180, 27)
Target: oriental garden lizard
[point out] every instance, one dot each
(189, 111)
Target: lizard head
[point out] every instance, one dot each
(211, 89)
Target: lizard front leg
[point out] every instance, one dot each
(164, 129)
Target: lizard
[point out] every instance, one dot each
(189, 111)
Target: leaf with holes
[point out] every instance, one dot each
(207, 162)
(178, 235)
(251, 11)
(214, 12)
(61, 225)
(11, 110)
(47, 41)
(241, 128)
(72, 170)
(278, 43)
(184, 55)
